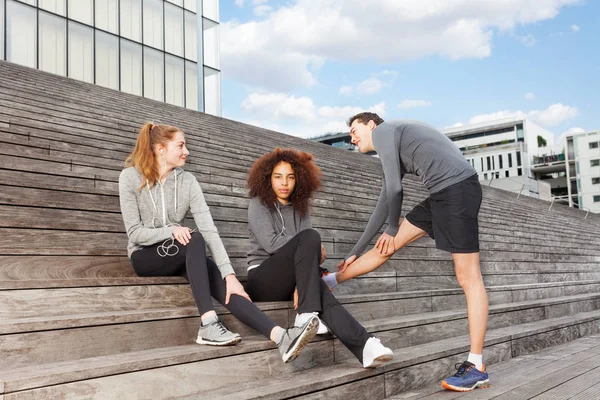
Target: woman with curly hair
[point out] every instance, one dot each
(286, 251)
(156, 194)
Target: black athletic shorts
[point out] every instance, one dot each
(450, 216)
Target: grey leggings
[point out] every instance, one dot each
(205, 280)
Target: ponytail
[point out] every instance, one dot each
(143, 156)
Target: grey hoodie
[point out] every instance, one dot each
(146, 213)
(272, 227)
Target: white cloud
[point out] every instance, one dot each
(335, 127)
(259, 2)
(239, 3)
(528, 40)
(552, 116)
(456, 125)
(281, 112)
(261, 11)
(530, 96)
(346, 90)
(369, 86)
(348, 111)
(374, 84)
(560, 139)
(406, 104)
(279, 105)
(575, 28)
(378, 30)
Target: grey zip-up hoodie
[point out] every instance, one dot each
(271, 228)
(146, 213)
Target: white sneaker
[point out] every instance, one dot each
(375, 354)
(303, 317)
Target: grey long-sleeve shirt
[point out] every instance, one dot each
(272, 227)
(410, 147)
(146, 213)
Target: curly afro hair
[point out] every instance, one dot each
(308, 177)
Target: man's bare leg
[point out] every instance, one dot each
(468, 274)
(373, 259)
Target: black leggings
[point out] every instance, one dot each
(204, 277)
(296, 264)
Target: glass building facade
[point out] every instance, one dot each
(166, 50)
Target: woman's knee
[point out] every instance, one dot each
(310, 236)
(197, 239)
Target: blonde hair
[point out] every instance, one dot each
(143, 156)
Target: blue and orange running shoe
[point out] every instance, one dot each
(467, 378)
(323, 272)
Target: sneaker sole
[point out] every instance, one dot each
(479, 385)
(231, 342)
(379, 361)
(306, 337)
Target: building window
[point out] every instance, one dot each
(131, 19)
(211, 44)
(594, 163)
(191, 37)
(153, 74)
(506, 173)
(190, 5)
(210, 9)
(493, 162)
(499, 161)
(82, 11)
(595, 181)
(107, 60)
(174, 30)
(509, 160)
(55, 6)
(520, 133)
(481, 163)
(81, 52)
(593, 145)
(212, 91)
(518, 158)
(21, 34)
(174, 68)
(131, 67)
(519, 171)
(191, 85)
(497, 175)
(1, 29)
(485, 177)
(53, 44)
(107, 15)
(596, 199)
(153, 23)
(489, 163)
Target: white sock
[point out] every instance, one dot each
(476, 359)
(209, 319)
(277, 335)
(330, 280)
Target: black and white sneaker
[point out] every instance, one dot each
(294, 339)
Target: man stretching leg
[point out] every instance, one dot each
(448, 215)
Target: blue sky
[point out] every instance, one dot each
(303, 67)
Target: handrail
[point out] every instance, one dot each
(554, 198)
(559, 198)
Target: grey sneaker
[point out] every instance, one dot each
(216, 334)
(294, 339)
